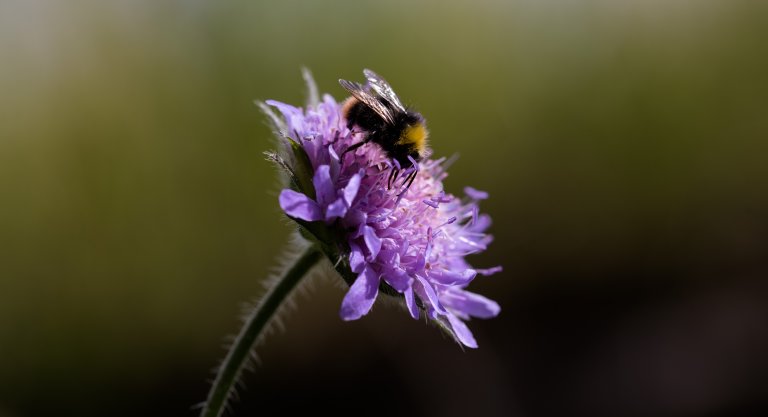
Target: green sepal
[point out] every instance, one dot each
(302, 169)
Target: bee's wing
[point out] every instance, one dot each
(362, 94)
(383, 89)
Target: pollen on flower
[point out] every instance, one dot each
(413, 243)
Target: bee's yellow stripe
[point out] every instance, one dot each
(415, 136)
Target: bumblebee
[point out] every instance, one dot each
(375, 110)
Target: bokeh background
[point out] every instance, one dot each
(624, 145)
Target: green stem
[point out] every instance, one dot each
(238, 354)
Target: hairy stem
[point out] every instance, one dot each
(254, 326)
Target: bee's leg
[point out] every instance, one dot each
(406, 184)
(392, 177)
(367, 139)
(352, 148)
(394, 173)
(411, 178)
(412, 172)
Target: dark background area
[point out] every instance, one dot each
(623, 144)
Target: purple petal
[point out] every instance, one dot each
(471, 244)
(397, 279)
(489, 271)
(389, 257)
(410, 302)
(447, 277)
(462, 332)
(333, 154)
(299, 206)
(372, 241)
(336, 209)
(323, 185)
(431, 295)
(482, 222)
(471, 304)
(334, 161)
(353, 219)
(420, 263)
(361, 295)
(475, 194)
(286, 109)
(475, 213)
(350, 191)
(356, 258)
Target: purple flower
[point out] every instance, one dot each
(410, 242)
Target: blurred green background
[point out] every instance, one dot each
(623, 144)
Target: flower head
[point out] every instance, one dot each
(405, 241)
